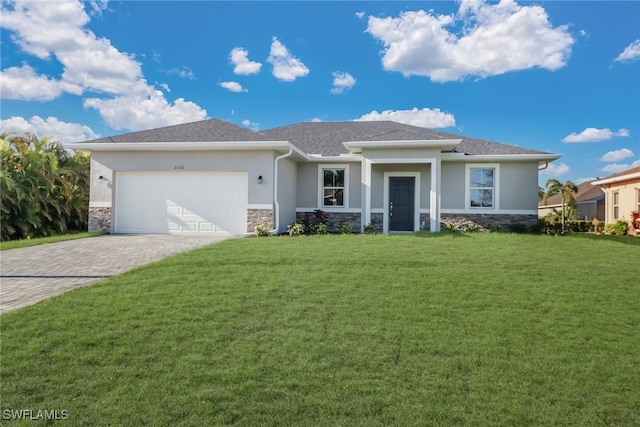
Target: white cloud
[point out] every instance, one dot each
(556, 169)
(594, 135)
(251, 125)
(135, 112)
(494, 39)
(360, 15)
(165, 86)
(184, 73)
(342, 81)
(90, 64)
(240, 58)
(617, 167)
(426, 117)
(630, 53)
(58, 131)
(286, 67)
(24, 84)
(617, 155)
(233, 87)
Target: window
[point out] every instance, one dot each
(333, 186)
(616, 205)
(482, 187)
(637, 199)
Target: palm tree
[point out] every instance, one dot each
(567, 189)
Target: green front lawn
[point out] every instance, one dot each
(474, 329)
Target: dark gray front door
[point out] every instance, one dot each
(402, 203)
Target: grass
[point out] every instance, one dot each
(15, 244)
(452, 329)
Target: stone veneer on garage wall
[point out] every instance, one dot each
(100, 219)
(258, 217)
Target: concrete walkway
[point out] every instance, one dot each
(32, 274)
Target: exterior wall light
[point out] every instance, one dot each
(259, 179)
(100, 179)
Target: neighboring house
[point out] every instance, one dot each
(622, 194)
(589, 202)
(215, 177)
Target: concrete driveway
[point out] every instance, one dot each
(32, 274)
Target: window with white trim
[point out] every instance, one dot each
(333, 182)
(616, 205)
(482, 189)
(637, 199)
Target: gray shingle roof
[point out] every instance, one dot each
(327, 137)
(212, 130)
(324, 138)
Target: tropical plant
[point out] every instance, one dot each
(345, 227)
(44, 188)
(369, 229)
(295, 229)
(262, 230)
(622, 227)
(553, 187)
(319, 228)
(320, 217)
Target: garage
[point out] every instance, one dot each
(181, 202)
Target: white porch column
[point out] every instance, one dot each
(434, 196)
(366, 193)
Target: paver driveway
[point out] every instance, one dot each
(32, 274)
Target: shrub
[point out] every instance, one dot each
(634, 223)
(495, 228)
(610, 229)
(369, 229)
(319, 229)
(263, 230)
(547, 226)
(622, 227)
(518, 228)
(579, 226)
(295, 229)
(319, 217)
(345, 228)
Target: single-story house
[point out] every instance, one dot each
(622, 194)
(589, 202)
(212, 176)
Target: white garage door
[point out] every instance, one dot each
(181, 202)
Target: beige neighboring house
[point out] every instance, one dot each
(622, 194)
(219, 178)
(589, 202)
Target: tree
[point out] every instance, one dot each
(44, 188)
(567, 189)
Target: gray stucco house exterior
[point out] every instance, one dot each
(215, 177)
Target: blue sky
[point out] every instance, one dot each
(558, 76)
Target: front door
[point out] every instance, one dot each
(402, 203)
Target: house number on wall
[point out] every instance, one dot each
(178, 167)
